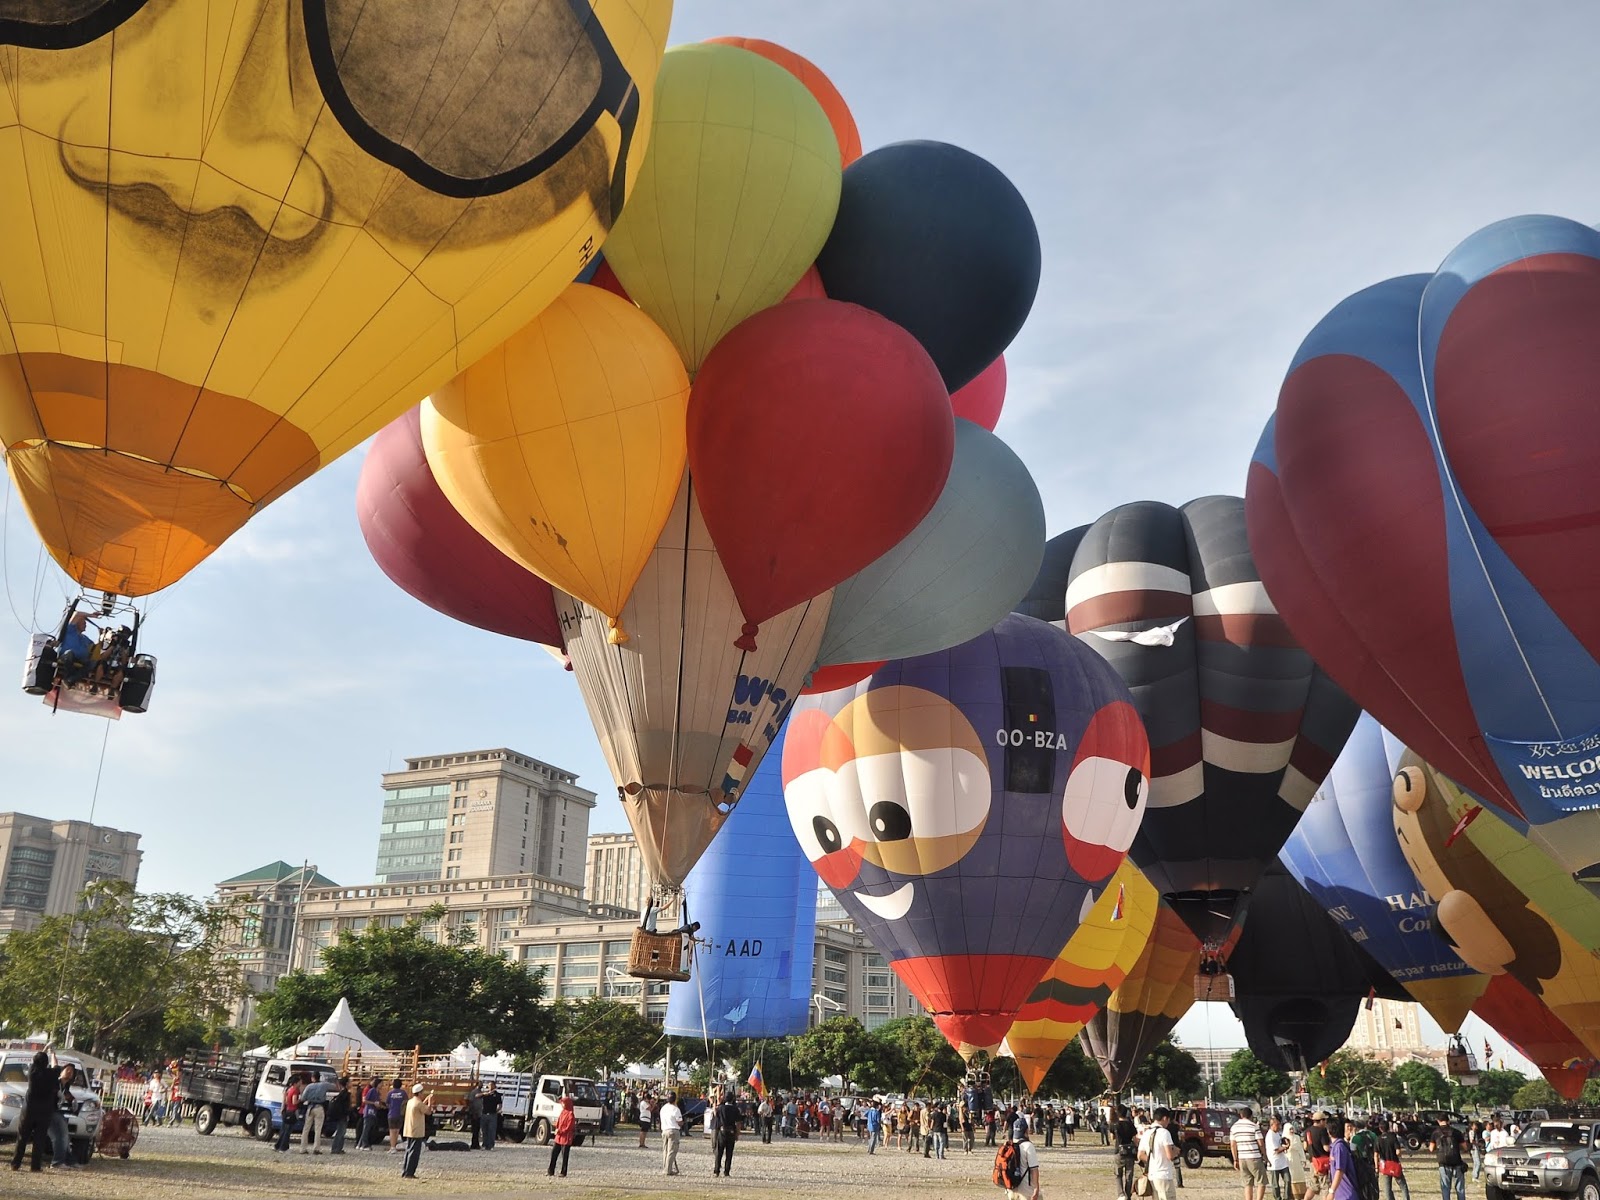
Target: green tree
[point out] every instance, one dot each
(1536, 1093)
(1169, 1070)
(1494, 1089)
(126, 972)
(1417, 1085)
(1347, 1075)
(837, 1047)
(407, 989)
(1246, 1077)
(928, 1066)
(1591, 1093)
(597, 1037)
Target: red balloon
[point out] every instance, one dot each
(839, 675)
(819, 435)
(981, 400)
(428, 549)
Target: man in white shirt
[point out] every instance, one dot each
(1277, 1144)
(1248, 1159)
(1160, 1155)
(670, 1118)
(1028, 1189)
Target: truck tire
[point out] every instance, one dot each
(82, 1151)
(1193, 1155)
(459, 1122)
(263, 1125)
(206, 1118)
(577, 1139)
(1413, 1142)
(517, 1132)
(247, 1122)
(541, 1131)
(1491, 1192)
(1588, 1187)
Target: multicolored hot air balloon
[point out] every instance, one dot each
(1422, 506)
(1148, 1004)
(1092, 965)
(1535, 1033)
(1494, 927)
(1243, 726)
(242, 235)
(754, 896)
(1344, 853)
(967, 808)
(1299, 978)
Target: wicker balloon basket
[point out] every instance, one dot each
(657, 956)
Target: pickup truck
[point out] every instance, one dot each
(1552, 1158)
(1202, 1133)
(83, 1126)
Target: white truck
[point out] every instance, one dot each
(229, 1089)
(546, 1106)
(83, 1125)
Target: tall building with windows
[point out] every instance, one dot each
(267, 902)
(45, 865)
(613, 872)
(482, 813)
(1388, 1027)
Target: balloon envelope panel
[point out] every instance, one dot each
(748, 892)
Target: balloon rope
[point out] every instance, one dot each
(66, 950)
(5, 555)
(677, 686)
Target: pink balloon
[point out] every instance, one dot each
(981, 400)
(430, 551)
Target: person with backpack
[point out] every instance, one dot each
(1124, 1151)
(1016, 1166)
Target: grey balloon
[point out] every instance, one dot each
(957, 573)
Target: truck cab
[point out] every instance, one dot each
(83, 1124)
(274, 1082)
(546, 1106)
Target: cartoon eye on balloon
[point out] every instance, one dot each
(901, 782)
(1104, 801)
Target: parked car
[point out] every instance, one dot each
(83, 1122)
(1203, 1134)
(1551, 1158)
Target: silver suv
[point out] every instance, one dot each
(1552, 1158)
(83, 1126)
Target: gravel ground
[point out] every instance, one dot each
(178, 1163)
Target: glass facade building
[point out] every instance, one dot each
(411, 839)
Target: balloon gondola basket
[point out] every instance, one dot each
(657, 956)
(1217, 986)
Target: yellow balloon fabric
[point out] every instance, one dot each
(735, 198)
(242, 235)
(566, 445)
(1089, 968)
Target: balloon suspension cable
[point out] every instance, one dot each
(66, 947)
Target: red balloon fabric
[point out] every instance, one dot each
(820, 433)
(981, 400)
(605, 277)
(808, 288)
(428, 549)
(839, 675)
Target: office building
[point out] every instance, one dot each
(1389, 1029)
(614, 872)
(849, 978)
(45, 865)
(266, 902)
(482, 813)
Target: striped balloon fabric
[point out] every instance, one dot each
(1243, 726)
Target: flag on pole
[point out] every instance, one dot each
(1116, 911)
(1467, 818)
(756, 1081)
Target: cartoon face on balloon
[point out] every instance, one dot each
(919, 810)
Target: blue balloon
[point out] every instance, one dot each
(940, 242)
(755, 896)
(1345, 854)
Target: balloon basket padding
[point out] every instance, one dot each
(657, 956)
(1213, 987)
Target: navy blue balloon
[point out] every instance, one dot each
(940, 242)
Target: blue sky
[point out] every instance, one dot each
(1208, 180)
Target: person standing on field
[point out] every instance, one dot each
(1249, 1157)
(670, 1118)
